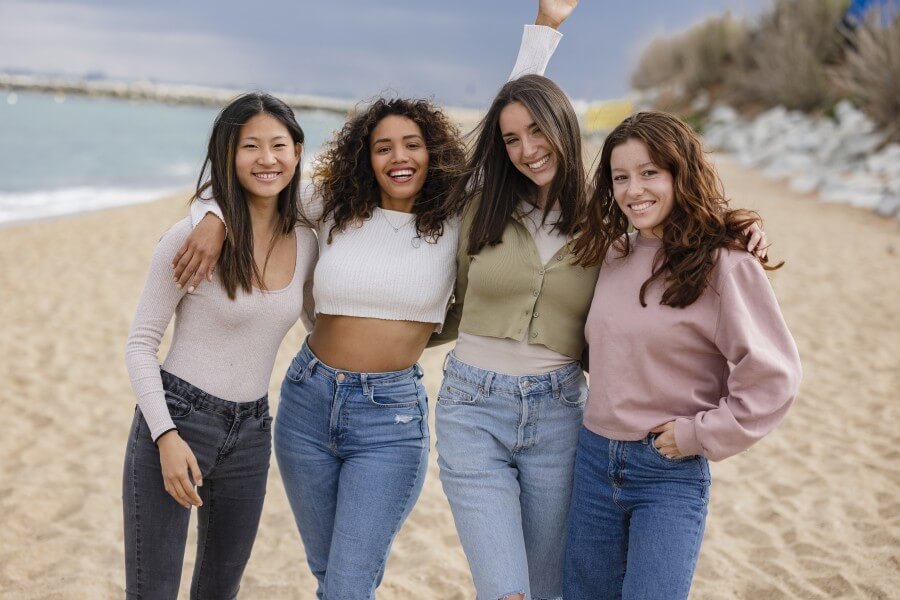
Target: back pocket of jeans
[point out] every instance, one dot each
(178, 407)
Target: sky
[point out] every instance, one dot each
(458, 52)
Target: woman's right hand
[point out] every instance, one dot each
(177, 459)
(199, 254)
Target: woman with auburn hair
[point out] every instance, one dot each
(690, 360)
(351, 434)
(510, 405)
(201, 433)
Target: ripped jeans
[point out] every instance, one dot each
(352, 449)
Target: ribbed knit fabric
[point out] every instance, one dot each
(655, 364)
(371, 270)
(224, 347)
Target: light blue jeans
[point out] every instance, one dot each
(352, 449)
(506, 449)
(636, 521)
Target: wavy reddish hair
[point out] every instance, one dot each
(700, 222)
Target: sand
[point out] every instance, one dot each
(813, 511)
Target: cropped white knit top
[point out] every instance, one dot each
(381, 268)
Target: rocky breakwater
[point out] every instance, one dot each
(842, 159)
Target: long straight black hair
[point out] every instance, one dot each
(236, 265)
(490, 174)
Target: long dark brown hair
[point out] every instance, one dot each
(236, 265)
(490, 174)
(346, 181)
(700, 221)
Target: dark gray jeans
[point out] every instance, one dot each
(232, 442)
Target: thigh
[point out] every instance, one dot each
(667, 523)
(155, 524)
(546, 471)
(233, 496)
(309, 468)
(597, 533)
(474, 438)
(378, 488)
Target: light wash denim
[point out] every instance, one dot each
(232, 443)
(352, 449)
(506, 449)
(636, 521)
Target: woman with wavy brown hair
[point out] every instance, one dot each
(690, 361)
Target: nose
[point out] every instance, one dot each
(267, 157)
(399, 155)
(635, 188)
(529, 148)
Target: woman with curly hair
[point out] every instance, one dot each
(351, 433)
(690, 361)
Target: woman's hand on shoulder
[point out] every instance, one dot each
(553, 13)
(758, 243)
(199, 254)
(177, 459)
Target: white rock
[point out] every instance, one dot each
(889, 206)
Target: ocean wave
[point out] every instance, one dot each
(16, 207)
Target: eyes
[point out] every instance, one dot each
(386, 149)
(512, 139)
(252, 146)
(646, 173)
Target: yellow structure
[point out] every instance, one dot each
(601, 117)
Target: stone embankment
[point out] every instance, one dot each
(842, 159)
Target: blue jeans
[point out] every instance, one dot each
(232, 443)
(636, 521)
(506, 449)
(352, 449)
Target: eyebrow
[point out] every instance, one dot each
(640, 166)
(506, 135)
(253, 137)
(405, 137)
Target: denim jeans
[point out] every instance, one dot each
(506, 449)
(636, 521)
(352, 449)
(232, 443)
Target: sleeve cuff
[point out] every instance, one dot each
(200, 207)
(686, 438)
(538, 45)
(163, 432)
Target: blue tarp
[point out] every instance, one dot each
(887, 11)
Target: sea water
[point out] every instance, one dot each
(68, 154)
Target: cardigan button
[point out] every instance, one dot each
(534, 316)
(559, 258)
(535, 292)
(534, 334)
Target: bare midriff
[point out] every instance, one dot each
(368, 345)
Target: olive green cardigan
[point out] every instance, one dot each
(504, 291)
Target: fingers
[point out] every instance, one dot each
(178, 255)
(180, 488)
(195, 470)
(189, 270)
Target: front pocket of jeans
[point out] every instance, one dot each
(661, 456)
(394, 395)
(296, 371)
(576, 395)
(451, 394)
(178, 407)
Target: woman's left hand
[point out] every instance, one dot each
(552, 13)
(665, 441)
(759, 243)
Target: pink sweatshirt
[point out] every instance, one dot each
(725, 368)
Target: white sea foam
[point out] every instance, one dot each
(16, 207)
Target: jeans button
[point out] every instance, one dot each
(341, 377)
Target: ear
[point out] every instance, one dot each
(298, 150)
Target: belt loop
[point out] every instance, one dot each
(311, 367)
(419, 372)
(554, 384)
(446, 360)
(486, 386)
(363, 379)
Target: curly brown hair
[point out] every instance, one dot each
(700, 221)
(345, 180)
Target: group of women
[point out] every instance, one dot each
(689, 356)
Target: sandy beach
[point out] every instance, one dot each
(813, 511)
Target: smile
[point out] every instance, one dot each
(641, 207)
(401, 175)
(535, 166)
(267, 176)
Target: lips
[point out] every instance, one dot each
(538, 164)
(641, 207)
(401, 175)
(267, 176)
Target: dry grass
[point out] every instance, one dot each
(870, 74)
(785, 58)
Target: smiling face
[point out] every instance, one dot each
(643, 190)
(400, 161)
(528, 148)
(266, 158)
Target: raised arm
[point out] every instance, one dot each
(539, 41)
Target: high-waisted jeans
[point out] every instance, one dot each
(232, 443)
(636, 521)
(506, 449)
(352, 449)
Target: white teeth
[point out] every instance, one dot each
(401, 173)
(641, 206)
(540, 163)
(265, 175)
